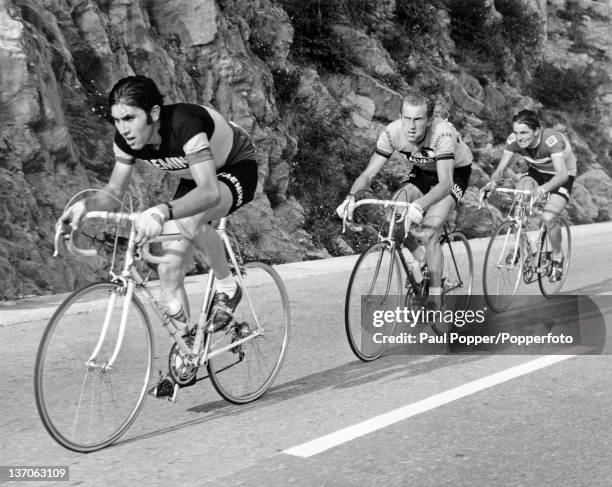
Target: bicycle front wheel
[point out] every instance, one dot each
(376, 282)
(84, 402)
(242, 372)
(503, 267)
(548, 287)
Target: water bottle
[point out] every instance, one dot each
(175, 310)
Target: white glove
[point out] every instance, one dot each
(149, 224)
(73, 214)
(490, 186)
(538, 194)
(415, 213)
(347, 207)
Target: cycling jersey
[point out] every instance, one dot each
(441, 141)
(187, 130)
(551, 142)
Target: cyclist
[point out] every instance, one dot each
(441, 168)
(552, 169)
(215, 160)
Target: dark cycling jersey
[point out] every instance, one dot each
(551, 142)
(187, 131)
(441, 141)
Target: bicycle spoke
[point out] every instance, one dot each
(502, 268)
(243, 373)
(376, 273)
(549, 286)
(85, 406)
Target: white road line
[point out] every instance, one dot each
(344, 435)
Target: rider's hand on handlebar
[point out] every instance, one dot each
(490, 186)
(538, 194)
(346, 208)
(149, 224)
(415, 214)
(73, 214)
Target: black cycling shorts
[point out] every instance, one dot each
(240, 178)
(425, 180)
(564, 190)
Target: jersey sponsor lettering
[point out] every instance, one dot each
(441, 142)
(540, 157)
(551, 141)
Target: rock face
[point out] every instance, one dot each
(59, 59)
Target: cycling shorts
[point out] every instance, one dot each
(564, 190)
(240, 178)
(425, 180)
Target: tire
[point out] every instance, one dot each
(458, 271)
(376, 276)
(86, 408)
(501, 276)
(457, 276)
(548, 288)
(245, 372)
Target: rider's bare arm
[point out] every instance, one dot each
(117, 185)
(204, 196)
(501, 167)
(445, 169)
(561, 174)
(364, 180)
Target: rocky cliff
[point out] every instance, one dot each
(312, 82)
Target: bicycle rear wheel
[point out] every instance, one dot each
(375, 282)
(547, 287)
(85, 406)
(245, 371)
(502, 268)
(458, 272)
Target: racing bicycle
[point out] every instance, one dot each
(94, 364)
(512, 256)
(384, 273)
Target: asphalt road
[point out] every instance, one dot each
(329, 419)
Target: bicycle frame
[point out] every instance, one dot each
(399, 210)
(130, 279)
(520, 210)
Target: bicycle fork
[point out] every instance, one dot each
(91, 362)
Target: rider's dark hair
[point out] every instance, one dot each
(527, 117)
(136, 91)
(416, 98)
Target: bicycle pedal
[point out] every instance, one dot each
(165, 388)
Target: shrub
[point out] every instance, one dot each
(314, 37)
(562, 88)
(323, 171)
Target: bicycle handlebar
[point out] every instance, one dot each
(484, 194)
(110, 217)
(384, 204)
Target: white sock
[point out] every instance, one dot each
(557, 256)
(227, 286)
(435, 291)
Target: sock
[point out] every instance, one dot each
(435, 291)
(227, 286)
(557, 256)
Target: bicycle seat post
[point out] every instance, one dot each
(222, 226)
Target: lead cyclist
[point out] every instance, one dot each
(441, 167)
(552, 169)
(215, 160)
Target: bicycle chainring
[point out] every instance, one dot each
(180, 367)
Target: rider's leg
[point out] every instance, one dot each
(554, 206)
(407, 193)
(431, 227)
(172, 273)
(205, 238)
